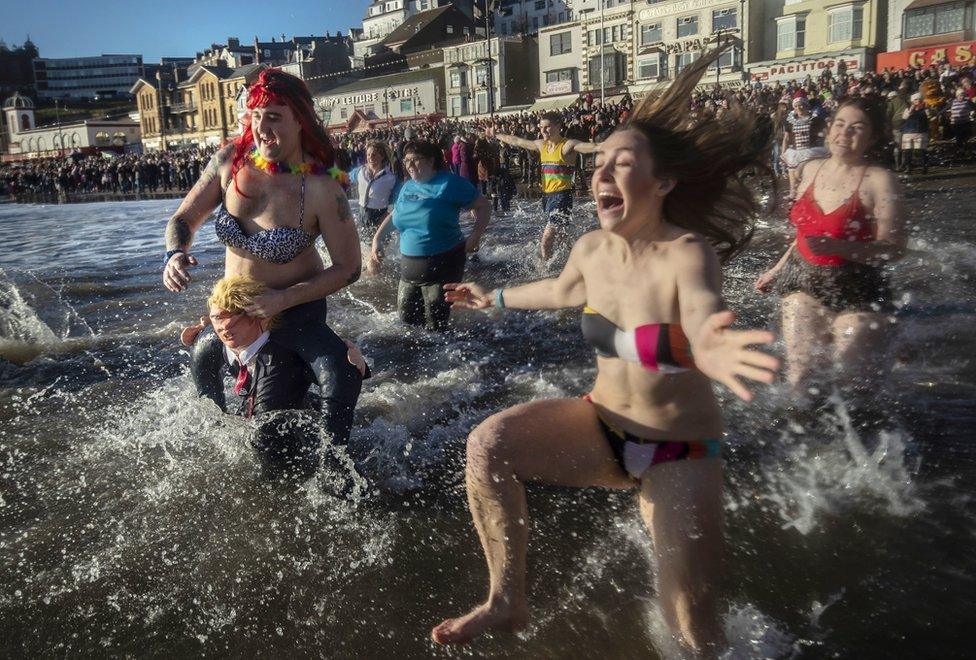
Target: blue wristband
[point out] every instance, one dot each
(170, 253)
(500, 298)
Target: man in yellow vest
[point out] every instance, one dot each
(557, 158)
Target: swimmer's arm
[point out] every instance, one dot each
(382, 234)
(698, 275)
(198, 204)
(567, 290)
(531, 145)
(342, 243)
(719, 352)
(481, 209)
(579, 147)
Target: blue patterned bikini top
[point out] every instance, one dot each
(278, 245)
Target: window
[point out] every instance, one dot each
(559, 75)
(607, 35)
(652, 67)
(481, 75)
(560, 43)
(687, 26)
(343, 114)
(844, 24)
(540, 5)
(459, 106)
(25, 122)
(683, 60)
(385, 108)
(935, 20)
(594, 38)
(727, 59)
(724, 19)
(450, 29)
(535, 23)
(613, 67)
(482, 102)
(791, 33)
(457, 79)
(406, 106)
(650, 34)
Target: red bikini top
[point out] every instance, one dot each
(848, 221)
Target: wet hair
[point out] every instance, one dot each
(707, 160)
(381, 147)
(553, 118)
(425, 150)
(235, 292)
(275, 87)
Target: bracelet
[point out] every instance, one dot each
(170, 253)
(500, 298)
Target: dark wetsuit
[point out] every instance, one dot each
(301, 329)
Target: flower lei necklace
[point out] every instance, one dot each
(275, 167)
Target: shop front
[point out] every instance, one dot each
(854, 61)
(955, 54)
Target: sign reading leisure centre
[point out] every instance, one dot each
(957, 54)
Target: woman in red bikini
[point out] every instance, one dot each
(668, 198)
(835, 291)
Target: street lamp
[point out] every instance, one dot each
(57, 116)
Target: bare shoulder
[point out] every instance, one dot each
(690, 250)
(591, 242)
(328, 199)
(880, 179)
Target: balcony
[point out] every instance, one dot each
(177, 108)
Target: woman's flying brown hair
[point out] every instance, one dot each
(706, 159)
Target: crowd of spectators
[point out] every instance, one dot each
(108, 173)
(948, 97)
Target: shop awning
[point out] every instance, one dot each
(561, 103)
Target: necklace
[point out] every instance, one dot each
(275, 167)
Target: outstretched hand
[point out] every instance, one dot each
(467, 296)
(721, 354)
(190, 333)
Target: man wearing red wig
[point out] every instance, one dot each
(272, 193)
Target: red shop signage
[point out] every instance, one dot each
(958, 54)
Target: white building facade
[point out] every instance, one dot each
(26, 140)
(384, 99)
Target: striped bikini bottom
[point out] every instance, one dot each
(636, 455)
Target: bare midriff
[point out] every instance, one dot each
(654, 405)
(276, 276)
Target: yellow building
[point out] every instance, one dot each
(814, 35)
(198, 111)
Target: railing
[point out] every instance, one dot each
(183, 107)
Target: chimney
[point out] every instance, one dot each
(233, 42)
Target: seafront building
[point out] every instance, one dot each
(923, 32)
(815, 35)
(194, 107)
(25, 139)
(483, 76)
(97, 76)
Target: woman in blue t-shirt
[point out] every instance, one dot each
(432, 246)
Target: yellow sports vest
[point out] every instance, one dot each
(557, 172)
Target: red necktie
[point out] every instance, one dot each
(243, 380)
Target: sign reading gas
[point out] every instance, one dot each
(957, 54)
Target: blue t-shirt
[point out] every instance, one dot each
(426, 214)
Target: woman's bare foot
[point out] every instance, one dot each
(479, 621)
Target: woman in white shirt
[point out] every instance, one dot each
(377, 186)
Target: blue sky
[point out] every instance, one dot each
(70, 28)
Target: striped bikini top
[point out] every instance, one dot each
(278, 244)
(557, 172)
(659, 347)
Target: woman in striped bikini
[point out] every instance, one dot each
(668, 197)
